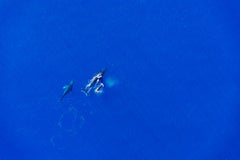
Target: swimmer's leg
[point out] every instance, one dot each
(86, 91)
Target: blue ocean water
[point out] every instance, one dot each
(171, 85)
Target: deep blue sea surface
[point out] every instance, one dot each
(172, 83)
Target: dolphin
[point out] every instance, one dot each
(67, 89)
(94, 81)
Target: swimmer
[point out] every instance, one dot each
(94, 81)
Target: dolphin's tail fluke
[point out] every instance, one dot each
(61, 98)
